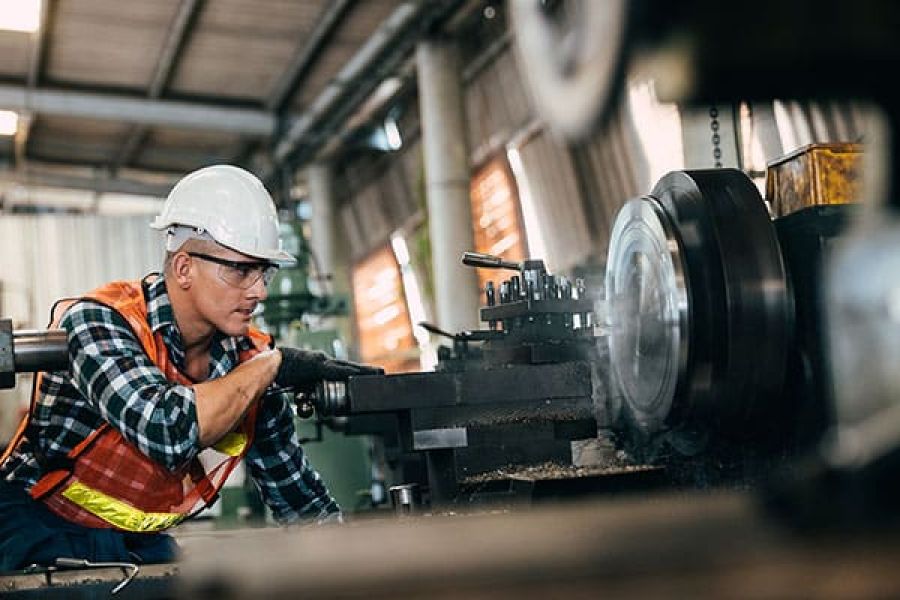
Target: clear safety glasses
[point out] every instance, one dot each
(241, 274)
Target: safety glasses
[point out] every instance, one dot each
(241, 274)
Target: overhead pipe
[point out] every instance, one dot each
(343, 83)
(171, 113)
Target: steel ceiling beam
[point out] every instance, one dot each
(165, 113)
(40, 43)
(179, 32)
(37, 58)
(346, 89)
(183, 25)
(100, 185)
(290, 80)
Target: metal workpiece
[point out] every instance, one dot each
(28, 350)
(700, 313)
(406, 498)
(648, 310)
(7, 363)
(329, 399)
(40, 350)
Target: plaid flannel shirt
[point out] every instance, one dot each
(112, 379)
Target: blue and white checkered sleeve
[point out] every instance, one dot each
(114, 374)
(289, 485)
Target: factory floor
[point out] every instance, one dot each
(686, 545)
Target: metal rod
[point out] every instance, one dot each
(40, 350)
(488, 261)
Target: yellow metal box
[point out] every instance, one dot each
(812, 175)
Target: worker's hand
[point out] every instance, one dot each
(303, 369)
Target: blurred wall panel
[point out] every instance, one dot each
(46, 257)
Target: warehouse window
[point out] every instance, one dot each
(384, 329)
(496, 215)
(413, 294)
(658, 127)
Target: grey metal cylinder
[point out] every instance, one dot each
(331, 399)
(446, 154)
(326, 240)
(40, 350)
(406, 498)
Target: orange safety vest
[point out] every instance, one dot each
(112, 484)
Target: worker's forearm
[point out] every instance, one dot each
(222, 402)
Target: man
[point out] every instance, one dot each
(169, 388)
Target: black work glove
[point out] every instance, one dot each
(303, 369)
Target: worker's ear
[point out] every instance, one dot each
(182, 270)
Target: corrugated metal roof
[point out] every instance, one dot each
(271, 56)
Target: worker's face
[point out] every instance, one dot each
(229, 286)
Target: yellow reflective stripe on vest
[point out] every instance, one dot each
(118, 513)
(232, 444)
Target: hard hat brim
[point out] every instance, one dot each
(280, 258)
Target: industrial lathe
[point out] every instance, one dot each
(709, 367)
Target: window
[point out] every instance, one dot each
(383, 325)
(496, 215)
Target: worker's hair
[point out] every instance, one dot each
(191, 245)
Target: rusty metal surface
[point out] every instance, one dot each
(813, 175)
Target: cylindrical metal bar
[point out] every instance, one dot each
(515, 288)
(405, 498)
(40, 350)
(331, 399)
(487, 261)
(504, 292)
(326, 238)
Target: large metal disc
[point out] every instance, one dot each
(648, 310)
(573, 56)
(739, 314)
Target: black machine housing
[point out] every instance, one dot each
(517, 393)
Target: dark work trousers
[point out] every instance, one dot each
(31, 534)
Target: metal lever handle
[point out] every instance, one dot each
(130, 569)
(488, 261)
(436, 330)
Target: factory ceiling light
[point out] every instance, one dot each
(21, 15)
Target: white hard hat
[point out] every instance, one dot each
(232, 206)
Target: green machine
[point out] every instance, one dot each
(290, 297)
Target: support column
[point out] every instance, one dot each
(447, 183)
(327, 242)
